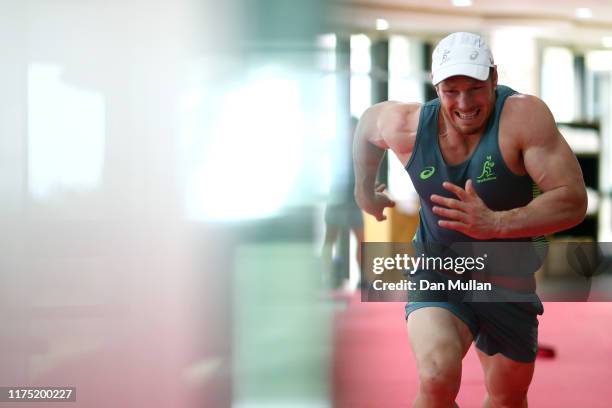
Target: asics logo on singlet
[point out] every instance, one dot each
(427, 172)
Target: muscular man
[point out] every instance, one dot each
(489, 164)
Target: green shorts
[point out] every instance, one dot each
(498, 327)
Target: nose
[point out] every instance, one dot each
(464, 100)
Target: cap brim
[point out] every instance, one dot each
(479, 72)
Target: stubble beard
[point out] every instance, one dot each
(463, 130)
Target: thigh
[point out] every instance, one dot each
(359, 235)
(331, 234)
(510, 329)
(504, 376)
(437, 330)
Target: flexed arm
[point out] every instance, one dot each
(387, 125)
(551, 164)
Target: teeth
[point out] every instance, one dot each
(470, 115)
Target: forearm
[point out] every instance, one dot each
(553, 211)
(366, 156)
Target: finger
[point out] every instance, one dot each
(447, 202)
(448, 213)
(381, 217)
(453, 225)
(380, 188)
(453, 188)
(469, 188)
(385, 200)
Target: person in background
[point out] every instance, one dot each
(342, 217)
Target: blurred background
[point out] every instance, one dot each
(177, 223)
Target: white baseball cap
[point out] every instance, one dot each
(461, 54)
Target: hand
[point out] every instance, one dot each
(376, 204)
(468, 215)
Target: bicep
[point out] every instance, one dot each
(368, 130)
(548, 159)
(398, 129)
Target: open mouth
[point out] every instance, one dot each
(467, 115)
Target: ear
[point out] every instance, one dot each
(494, 76)
(435, 86)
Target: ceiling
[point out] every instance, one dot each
(553, 20)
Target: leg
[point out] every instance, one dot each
(507, 381)
(358, 231)
(360, 237)
(331, 236)
(439, 342)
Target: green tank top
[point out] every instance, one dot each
(496, 185)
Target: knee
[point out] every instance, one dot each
(514, 399)
(440, 375)
(507, 386)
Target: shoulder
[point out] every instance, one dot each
(528, 118)
(397, 125)
(396, 111)
(523, 107)
(398, 116)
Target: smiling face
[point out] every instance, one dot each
(466, 103)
